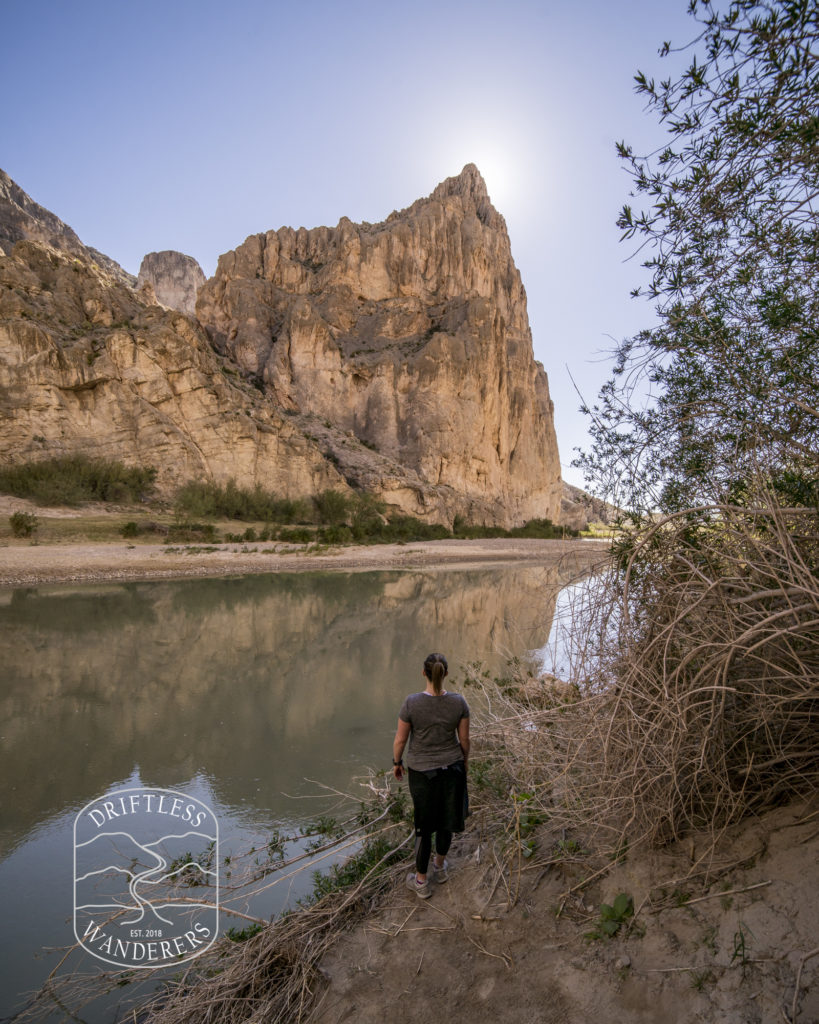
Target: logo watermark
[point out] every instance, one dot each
(146, 878)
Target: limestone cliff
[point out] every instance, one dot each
(175, 278)
(22, 218)
(393, 357)
(410, 336)
(89, 366)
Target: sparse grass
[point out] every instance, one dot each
(699, 979)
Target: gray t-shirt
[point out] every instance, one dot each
(434, 729)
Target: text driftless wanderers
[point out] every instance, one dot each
(142, 802)
(130, 951)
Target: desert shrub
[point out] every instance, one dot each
(130, 529)
(408, 528)
(714, 648)
(544, 529)
(694, 682)
(332, 507)
(296, 535)
(23, 524)
(189, 531)
(73, 479)
(466, 531)
(541, 529)
(335, 535)
(202, 499)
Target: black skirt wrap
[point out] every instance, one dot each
(438, 798)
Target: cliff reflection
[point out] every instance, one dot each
(258, 682)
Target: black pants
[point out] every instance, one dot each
(438, 805)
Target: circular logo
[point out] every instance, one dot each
(146, 878)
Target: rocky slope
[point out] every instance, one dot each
(579, 509)
(413, 336)
(174, 277)
(393, 357)
(89, 366)
(22, 218)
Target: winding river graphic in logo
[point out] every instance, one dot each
(146, 878)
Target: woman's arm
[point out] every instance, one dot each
(398, 744)
(463, 738)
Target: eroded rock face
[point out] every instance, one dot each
(410, 337)
(22, 218)
(88, 366)
(394, 358)
(580, 509)
(175, 278)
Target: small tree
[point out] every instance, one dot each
(728, 381)
(332, 507)
(707, 431)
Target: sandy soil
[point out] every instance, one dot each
(719, 937)
(24, 564)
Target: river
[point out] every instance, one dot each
(247, 693)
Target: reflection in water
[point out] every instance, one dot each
(254, 683)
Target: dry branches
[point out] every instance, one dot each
(699, 700)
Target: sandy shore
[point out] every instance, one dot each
(27, 564)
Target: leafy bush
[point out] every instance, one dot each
(544, 529)
(192, 532)
(409, 528)
(130, 529)
(201, 499)
(297, 535)
(23, 524)
(336, 535)
(332, 507)
(540, 529)
(72, 479)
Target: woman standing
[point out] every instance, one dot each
(436, 723)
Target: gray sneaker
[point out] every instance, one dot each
(421, 889)
(441, 874)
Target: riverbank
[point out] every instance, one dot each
(723, 932)
(25, 564)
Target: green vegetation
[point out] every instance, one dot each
(330, 517)
(73, 479)
(23, 524)
(729, 223)
(376, 855)
(612, 917)
(200, 500)
(243, 934)
(541, 529)
(187, 867)
(706, 434)
(189, 532)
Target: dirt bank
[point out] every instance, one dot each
(719, 936)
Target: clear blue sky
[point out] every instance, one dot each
(190, 124)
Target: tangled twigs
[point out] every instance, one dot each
(697, 699)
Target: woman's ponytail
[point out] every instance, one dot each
(435, 669)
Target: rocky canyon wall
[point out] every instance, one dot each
(410, 335)
(88, 366)
(392, 357)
